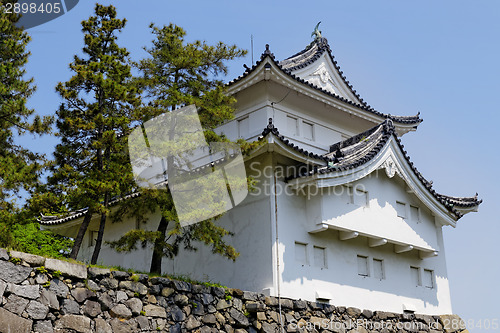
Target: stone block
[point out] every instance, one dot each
(224, 304)
(219, 292)
(367, 314)
(452, 323)
(44, 326)
(67, 268)
(109, 283)
(199, 289)
(16, 304)
(160, 280)
(167, 292)
(10, 323)
(59, 288)
(91, 309)
(120, 275)
(206, 298)
(353, 312)
(31, 259)
(181, 300)
(176, 313)
(97, 272)
(4, 255)
(286, 303)
(250, 296)
(300, 305)
(135, 305)
(209, 319)
(121, 296)
(181, 285)
(31, 292)
(81, 294)
(240, 318)
(3, 286)
(271, 301)
(49, 298)
(192, 323)
(156, 311)
(77, 323)
(135, 287)
(254, 307)
(143, 323)
(37, 310)
(118, 326)
(70, 306)
(101, 326)
(12, 273)
(106, 301)
(120, 311)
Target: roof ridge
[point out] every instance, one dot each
(267, 53)
(387, 125)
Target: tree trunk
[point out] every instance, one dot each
(81, 233)
(102, 224)
(158, 248)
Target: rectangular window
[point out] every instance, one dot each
(428, 278)
(401, 209)
(378, 269)
(301, 253)
(415, 276)
(359, 197)
(363, 266)
(292, 125)
(243, 127)
(414, 214)
(308, 129)
(319, 257)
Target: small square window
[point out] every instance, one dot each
(378, 269)
(428, 278)
(363, 266)
(308, 130)
(292, 125)
(401, 209)
(319, 256)
(415, 214)
(301, 253)
(243, 127)
(415, 276)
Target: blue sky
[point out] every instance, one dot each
(436, 58)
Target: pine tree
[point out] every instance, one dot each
(19, 167)
(91, 164)
(176, 74)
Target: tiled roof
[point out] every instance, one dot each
(462, 202)
(407, 120)
(362, 148)
(55, 220)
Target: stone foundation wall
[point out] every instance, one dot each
(47, 295)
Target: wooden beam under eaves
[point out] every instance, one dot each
(345, 235)
(402, 248)
(374, 242)
(425, 254)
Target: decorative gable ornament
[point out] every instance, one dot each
(325, 79)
